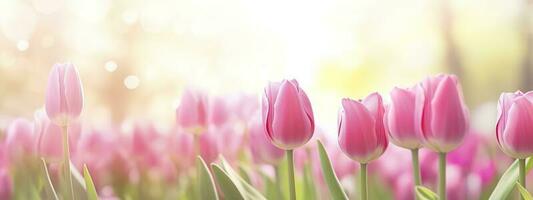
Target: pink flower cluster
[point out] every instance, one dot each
(431, 115)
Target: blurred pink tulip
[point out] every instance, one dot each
(262, 150)
(514, 130)
(218, 111)
(49, 137)
(192, 112)
(400, 119)
(230, 140)
(6, 185)
(181, 146)
(209, 147)
(441, 113)
(287, 115)
(20, 140)
(361, 132)
(64, 94)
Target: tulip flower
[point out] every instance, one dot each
(401, 127)
(64, 101)
(514, 130)
(6, 185)
(362, 134)
(262, 150)
(192, 112)
(20, 141)
(442, 117)
(64, 94)
(218, 111)
(49, 137)
(288, 120)
(209, 146)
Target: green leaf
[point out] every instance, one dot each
(523, 191)
(508, 179)
(206, 185)
(249, 191)
(424, 193)
(244, 174)
(91, 191)
(227, 186)
(335, 188)
(49, 187)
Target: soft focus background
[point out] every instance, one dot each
(135, 57)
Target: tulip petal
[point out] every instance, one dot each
(374, 104)
(53, 94)
(449, 123)
(267, 109)
(357, 137)
(73, 91)
(291, 126)
(518, 133)
(400, 118)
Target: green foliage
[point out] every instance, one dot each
(206, 186)
(507, 181)
(424, 193)
(335, 188)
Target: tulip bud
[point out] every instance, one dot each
(209, 146)
(441, 113)
(400, 119)
(19, 139)
(192, 112)
(262, 149)
(514, 130)
(287, 115)
(218, 111)
(361, 132)
(64, 94)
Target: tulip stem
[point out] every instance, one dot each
(66, 163)
(416, 168)
(290, 163)
(364, 182)
(522, 170)
(442, 176)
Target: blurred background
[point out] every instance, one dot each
(136, 57)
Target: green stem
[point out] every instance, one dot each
(66, 163)
(364, 191)
(522, 168)
(292, 186)
(416, 169)
(442, 176)
(278, 182)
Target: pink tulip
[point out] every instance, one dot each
(514, 130)
(230, 140)
(362, 135)
(287, 115)
(218, 111)
(19, 139)
(192, 112)
(209, 147)
(400, 119)
(441, 113)
(49, 138)
(181, 146)
(262, 150)
(64, 94)
(6, 185)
